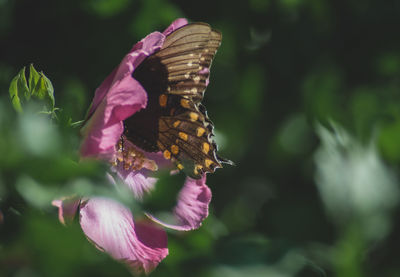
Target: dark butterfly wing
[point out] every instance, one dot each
(186, 138)
(174, 120)
(187, 55)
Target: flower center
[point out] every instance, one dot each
(132, 158)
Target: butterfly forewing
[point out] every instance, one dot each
(187, 54)
(180, 35)
(174, 121)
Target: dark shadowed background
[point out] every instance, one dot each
(304, 96)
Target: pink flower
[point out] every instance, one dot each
(107, 223)
(110, 227)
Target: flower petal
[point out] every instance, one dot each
(67, 208)
(144, 48)
(192, 206)
(139, 182)
(109, 225)
(103, 130)
(138, 53)
(101, 91)
(175, 25)
(117, 98)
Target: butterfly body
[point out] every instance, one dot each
(174, 121)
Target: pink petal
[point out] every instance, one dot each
(139, 182)
(67, 208)
(144, 48)
(109, 225)
(101, 91)
(103, 130)
(117, 98)
(175, 25)
(192, 206)
(138, 53)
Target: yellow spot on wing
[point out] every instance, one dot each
(176, 123)
(200, 131)
(193, 116)
(197, 168)
(208, 162)
(174, 149)
(206, 147)
(167, 154)
(179, 166)
(185, 103)
(183, 136)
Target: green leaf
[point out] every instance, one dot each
(33, 78)
(18, 89)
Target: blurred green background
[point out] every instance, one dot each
(305, 97)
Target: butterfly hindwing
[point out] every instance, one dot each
(186, 138)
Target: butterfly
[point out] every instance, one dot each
(174, 120)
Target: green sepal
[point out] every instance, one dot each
(19, 90)
(33, 78)
(41, 88)
(50, 90)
